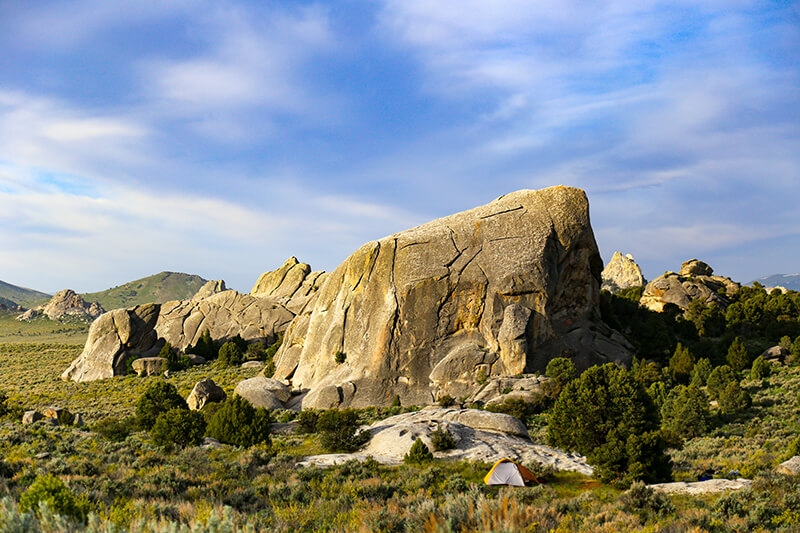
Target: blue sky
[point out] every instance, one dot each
(218, 138)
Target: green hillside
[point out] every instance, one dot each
(21, 295)
(158, 288)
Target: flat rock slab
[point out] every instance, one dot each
(332, 459)
(709, 486)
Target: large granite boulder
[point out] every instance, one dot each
(622, 272)
(496, 290)
(150, 366)
(141, 331)
(694, 281)
(65, 303)
(263, 392)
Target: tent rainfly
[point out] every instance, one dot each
(508, 472)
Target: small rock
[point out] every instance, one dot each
(776, 354)
(208, 442)
(205, 391)
(150, 366)
(790, 467)
(43, 455)
(77, 420)
(252, 364)
(31, 416)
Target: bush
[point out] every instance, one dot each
(519, 408)
(761, 368)
(733, 399)
(175, 362)
(442, 439)
(205, 347)
(307, 421)
(719, 379)
(115, 429)
(3, 406)
(446, 401)
(338, 430)
(395, 401)
(159, 397)
(681, 364)
(607, 416)
(239, 423)
(339, 357)
(418, 454)
(52, 491)
(231, 354)
(643, 500)
(178, 427)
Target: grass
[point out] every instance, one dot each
(158, 288)
(41, 330)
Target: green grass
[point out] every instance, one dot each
(158, 288)
(21, 295)
(42, 330)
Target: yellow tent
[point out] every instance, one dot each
(508, 472)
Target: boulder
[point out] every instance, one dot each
(425, 312)
(252, 364)
(150, 366)
(205, 391)
(495, 390)
(141, 331)
(196, 359)
(54, 412)
(776, 354)
(622, 272)
(694, 281)
(790, 467)
(263, 392)
(29, 417)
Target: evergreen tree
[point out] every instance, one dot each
(760, 369)
(719, 379)
(239, 423)
(681, 364)
(607, 416)
(685, 413)
(159, 397)
(702, 369)
(737, 357)
(179, 427)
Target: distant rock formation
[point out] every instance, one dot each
(497, 290)
(141, 331)
(65, 303)
(622, 272)
(695, 280)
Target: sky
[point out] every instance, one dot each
(219, 138)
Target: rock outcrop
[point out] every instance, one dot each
(695, 280)
(485, 437)
(65, 303)
(622, 272)
(204, 392)
(496, 290)
(141, 331)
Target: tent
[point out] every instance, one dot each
(508, 472)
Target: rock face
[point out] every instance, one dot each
(65, 303)
(487, 437)
(695, 280)
(141, 331)
(496, 290)
(205, 391)
(622, 272)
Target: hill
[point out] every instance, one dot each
(21, 295)
(790, 281)
(158, 288)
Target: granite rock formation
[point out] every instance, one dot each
(622, 272)
(141, 331)
(496, 290)
(694, 280)
(65, 303)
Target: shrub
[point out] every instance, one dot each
(231, 354)
(159, 397)
(179, 427)
(307, 421)
(719, 379)
(205, 346)
(395, 401)
(760, 369)
(737, 357)
(442, 439)
(339, 357)
(702, 369)
(446, 401)
(239, 423)
(643, 500)
(52, 491)
(607, 416)
(115, 429)
(338, 430)
(3, 406)
(519, 408)
(169, 353)
(418, 454)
